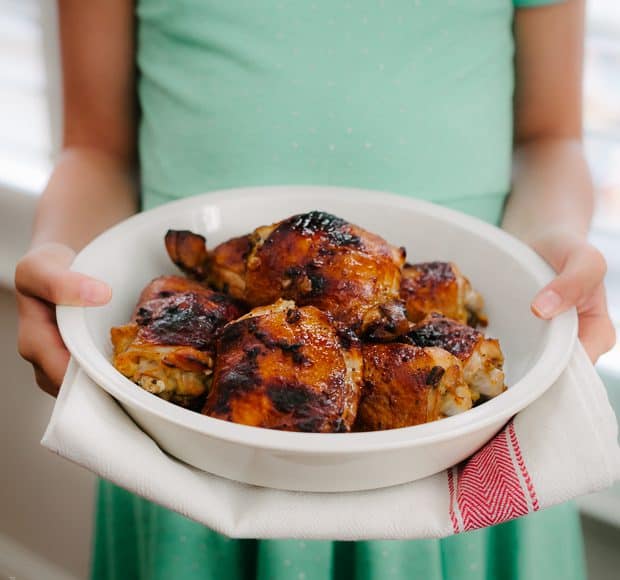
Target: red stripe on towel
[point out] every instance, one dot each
(521, 463)
(492, 486)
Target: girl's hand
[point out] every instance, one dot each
(42, 280)
(581, 269)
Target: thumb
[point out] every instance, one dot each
(582, 273)
(44, 274)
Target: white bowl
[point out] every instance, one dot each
(507, 273)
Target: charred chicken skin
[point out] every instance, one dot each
(169, 346)
(440, 287)
(481, 357)
(406, 385)
(314, 259)
(189, 252)
(223, 268)
(227, 264)
(286, 367)
(319, 259)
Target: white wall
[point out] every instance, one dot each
(46, 502)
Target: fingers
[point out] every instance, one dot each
(596, 331)
(43, 279)
(44, 273)
(579, 283)
(39, 342)
(582, 273)
(597, 334)
(45, 383)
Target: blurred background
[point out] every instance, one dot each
(46, 503)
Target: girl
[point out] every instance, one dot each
(435, 99)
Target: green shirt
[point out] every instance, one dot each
(408, 96)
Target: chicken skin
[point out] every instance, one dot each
(286, 367)
(314, 259)
(319, 259)
(406, 385)
(189, 252)
(227, 266)
(169, 346)
(481, 357)
(440, 287)
(223, 268)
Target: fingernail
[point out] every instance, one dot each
(547, 303)
(94, 293)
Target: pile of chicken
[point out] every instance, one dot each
(310, 324)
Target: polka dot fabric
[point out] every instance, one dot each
(138, 540)
(403, 95)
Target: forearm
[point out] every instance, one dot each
(551, 190)
(88, 192)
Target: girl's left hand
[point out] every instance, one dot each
(581, 269)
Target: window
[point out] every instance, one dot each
(25, 132)
(602, 123)
(602, 109)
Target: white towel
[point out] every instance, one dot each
(563, 445)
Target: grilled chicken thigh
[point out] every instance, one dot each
(481, 357)
(440, 287)
(189, 252)
(314, 259)
(286, 367)
(223, 268)
(407, 385)
(169, 345)
(317, 258)
(227, 266)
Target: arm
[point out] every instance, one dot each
(93, 184)
(550, 206)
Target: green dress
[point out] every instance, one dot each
(408, 96)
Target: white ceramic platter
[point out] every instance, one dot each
(507, 273)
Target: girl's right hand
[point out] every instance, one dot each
(43, 280)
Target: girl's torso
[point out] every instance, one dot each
(408, 96)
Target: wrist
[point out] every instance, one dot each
(88, 192)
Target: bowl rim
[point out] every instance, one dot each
(561, 334)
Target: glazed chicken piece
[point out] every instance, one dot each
(314, 259)
(227, 266)
(168, 347)
(319, 259)
(481, 357)
(223, 268)
(189, 252)
(440, 287)
(286, 367)
(406, 385)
